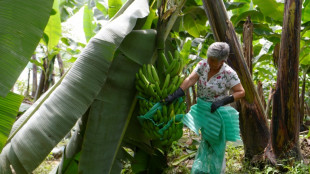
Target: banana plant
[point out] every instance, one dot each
(9, 106)
(55, 113)
(22, 25)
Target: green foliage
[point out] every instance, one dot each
(22, 25)
(9, 107)
(53, 28)
(242, 8)
(88, 24)
(194, 21)
(305, 17)
(151, 163)
(68, 8)
(234, 5)
(254, 14)
(234, 158)
(271, 8)
(191, 38)
(93, 68)
(114, 6)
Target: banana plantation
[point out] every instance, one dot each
(90, 76)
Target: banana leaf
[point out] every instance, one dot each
(69, 161)
(53, 27)
(69, 101)
(88, 23)
(9, 107)
(22, 24)
(109, 113)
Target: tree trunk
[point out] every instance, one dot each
(268, 107)
(261, 93)
(276, 54)
(26, 94)
(285, 120)
(253, 123)
(61, 65)
(302, 102)
(34, 77)
(247, 43)
(49, 75)
(42, 82)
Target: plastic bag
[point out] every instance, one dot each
(165, 132)
(216, 128)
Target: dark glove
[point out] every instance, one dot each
(222, 102)
(178, 93)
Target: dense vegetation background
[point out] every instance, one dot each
(72, 79)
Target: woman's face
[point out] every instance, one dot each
(214, 63)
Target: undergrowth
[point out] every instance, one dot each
(181, 156)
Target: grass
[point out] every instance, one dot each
(47, 165)
(182, 154)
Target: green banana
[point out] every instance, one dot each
(139, 88)
(143, 78)
(172, 114)
(175, 79)
(164, 60)
(176, 69)
(169, 88)
(169, 132)
(159, 115)
(165, 135)
(170, 109)
(176, 54)
(161, 120)
(151, 91)
(172, 88)
(155, 85)
(157, 135)
(180, 80)
(144, 69)
(165, 111)
(164, 142)
(157, 88)
(179, 134)
(166, 83)
(149, 73)
(165, 93)
(170, 56)
(171, 66)
(154, 74)
(182, 65)
(177, 106)
(155, 117)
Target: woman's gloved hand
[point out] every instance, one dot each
(178, 93)
(222, 102)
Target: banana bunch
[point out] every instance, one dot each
(171, 65)
(149, 86)
(153, 86)
(174, 133)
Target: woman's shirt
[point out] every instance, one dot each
(218, 85)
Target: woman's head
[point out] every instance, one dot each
(218, 51)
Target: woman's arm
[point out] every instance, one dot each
(189, 81)
(238, 92)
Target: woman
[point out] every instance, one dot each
(217, 124)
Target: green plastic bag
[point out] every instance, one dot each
(216, 128)
(164, 126)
